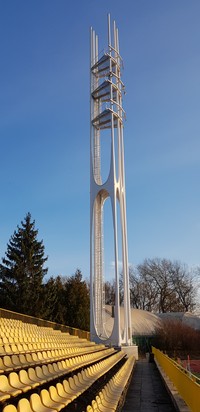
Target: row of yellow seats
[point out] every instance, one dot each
(23, 338)
(53, 334)
(10, 321)
(21, 347)
(59, 396)
(5, 331)
(18, 326)
(17, 362)
(6, 338)
(16, 323)
(33, 339)
(98, 370)
(109, 397)
(55, 399)
(25, 349)
(10, 325)
(26, 380)
(31, 331)
(36, 340)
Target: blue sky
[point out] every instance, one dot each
(44, 125)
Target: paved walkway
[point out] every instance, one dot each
(146, 391)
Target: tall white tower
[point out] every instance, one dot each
(107, 116)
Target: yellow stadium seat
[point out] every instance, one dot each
(24, 406)
(82, 381)
(49, 354)
(4, 396)
(30, 346)
(62, 366)
(6, 388)
(20, 348)
(24, 347)
(74, 387)
(49, 402)
(71, 392)
(95, 406)
(32, 375)
(28, 359)
(10, 408)
(45, 355)
(40, 357)
(3, 367)
(63, 394)
(14, 381)
(16, 362)
(58, 371)
(24, 361)
(40, 375)
(106, 402)
(24, 378)
(8, 363)
(80, 385)
(2, 350)
(89, 409)
(85, 376)
(37, 405)
(7, 349)
(54, 395)
(13, 347)
(52, 370)
(46, 372)
(35, 358)
(107, 394)
(69, 363)
(16, 338)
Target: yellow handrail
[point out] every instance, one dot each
(187, 387)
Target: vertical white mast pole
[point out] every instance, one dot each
(107, 113)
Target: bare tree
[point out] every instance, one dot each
(155, 274)
(109, 288)
(169, 284)
(141, 293)
(183, 282)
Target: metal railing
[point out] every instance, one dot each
(187, 384)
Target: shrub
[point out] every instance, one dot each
(175, 336)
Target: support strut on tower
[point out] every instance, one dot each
(107, 113)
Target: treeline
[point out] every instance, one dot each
(159, 285)
(23, 287)
(156, 285)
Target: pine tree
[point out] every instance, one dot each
(54, 300)
(77, 303)
(22, 271)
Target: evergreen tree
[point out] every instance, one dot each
(22, 271)
(54, 300)
(77, 302)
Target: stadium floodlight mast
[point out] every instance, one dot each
(107, 113)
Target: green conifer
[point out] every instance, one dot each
(22, 270)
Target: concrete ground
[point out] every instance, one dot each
(147, 392)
